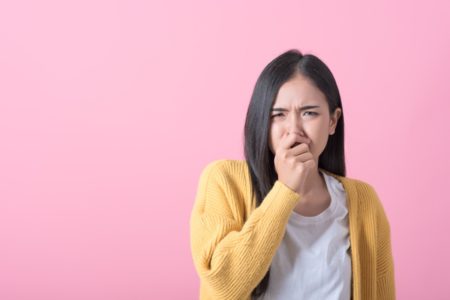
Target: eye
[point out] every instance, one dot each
(277, 115)
(312, 113)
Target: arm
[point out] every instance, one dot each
(385, 261)
(231, 258)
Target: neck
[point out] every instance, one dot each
(316, 182)
(317, 199)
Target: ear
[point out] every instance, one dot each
(334, 118)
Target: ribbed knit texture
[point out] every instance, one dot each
(233, 243)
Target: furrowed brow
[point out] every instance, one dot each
(301, 108)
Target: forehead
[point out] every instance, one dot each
(299, 90)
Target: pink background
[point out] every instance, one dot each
(109, 110)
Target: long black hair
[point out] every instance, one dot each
(260, 159)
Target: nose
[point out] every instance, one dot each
(294, 125)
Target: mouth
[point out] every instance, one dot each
(296, 144)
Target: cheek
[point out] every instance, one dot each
(321, 140)
(318, 133)
(275, 135)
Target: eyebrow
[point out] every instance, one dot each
(301, 108)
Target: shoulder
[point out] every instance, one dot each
(227, 174)
(363, 192)
(362, 188)
(223, 188)
(368, 193)
(226, 163)
(225, 168)
(370, 205)
(368, 198)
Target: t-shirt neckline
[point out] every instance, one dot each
(323, 216)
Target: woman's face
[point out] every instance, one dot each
(301, 108)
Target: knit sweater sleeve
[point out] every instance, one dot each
(385, 261)
(232, 256)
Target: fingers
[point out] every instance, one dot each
(299, 149)
(304, 157)
(293, 139)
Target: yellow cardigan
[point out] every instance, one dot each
(233, 243)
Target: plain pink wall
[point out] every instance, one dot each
(109, 110)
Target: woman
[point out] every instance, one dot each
(287, 223)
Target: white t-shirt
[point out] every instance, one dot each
(313, 260)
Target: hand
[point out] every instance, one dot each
(294, 162)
